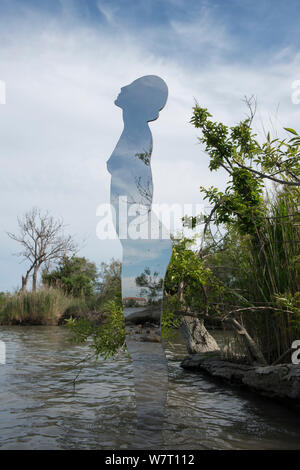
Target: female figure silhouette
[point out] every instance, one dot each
(146, 251)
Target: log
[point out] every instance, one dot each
(198, 339)
(254, 353)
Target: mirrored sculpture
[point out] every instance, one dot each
(146, 251)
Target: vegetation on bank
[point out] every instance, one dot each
(43, 307)
(75, 288)
(251, 237)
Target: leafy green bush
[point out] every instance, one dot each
(170, 321)
(75, 276)
(105, 339)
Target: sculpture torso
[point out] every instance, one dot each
(130, 169)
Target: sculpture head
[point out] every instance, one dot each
(144, 97)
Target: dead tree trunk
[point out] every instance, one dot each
(197, 337)
(24, 283)
(34, 278)
(254, 352)
(25, 279)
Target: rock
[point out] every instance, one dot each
(143, 315)
(198, 339)
(279, 382)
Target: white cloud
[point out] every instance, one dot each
(107, 11)
(204, 32)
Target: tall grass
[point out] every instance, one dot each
(269, 275)
(44, 307)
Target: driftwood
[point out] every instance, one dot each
(197, 337)
(254, 352)
(199, 340)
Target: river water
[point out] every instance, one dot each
(41, 409)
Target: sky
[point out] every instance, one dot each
(63, 64)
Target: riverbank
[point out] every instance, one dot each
(280, 382)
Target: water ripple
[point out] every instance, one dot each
(40, 408)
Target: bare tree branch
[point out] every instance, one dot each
(42, 240)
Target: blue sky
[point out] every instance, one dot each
(256, 29)
(64, 62)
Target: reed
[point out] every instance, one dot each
(44, 307)
(269, 275)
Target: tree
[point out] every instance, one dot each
(151, 285)
(76, 276)
(43, 242)
(105, 340)
(109, 285)
(248, 165)
(187, 276)
(255, 255)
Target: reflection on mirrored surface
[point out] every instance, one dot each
(146, 253)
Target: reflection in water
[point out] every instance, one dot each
(146, 250)
(41, 410)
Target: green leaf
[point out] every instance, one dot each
(292, 131)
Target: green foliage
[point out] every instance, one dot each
(291, 303)
(109, 285)
(187, 272)
(248, 165)
(170, 320)
(241, 204)
(273, 272)
(3, 298)
(75, 276)
(237, 147)
(151, 285)
(105, 339)
(255, 263)
(261, 273)
(230, 148)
